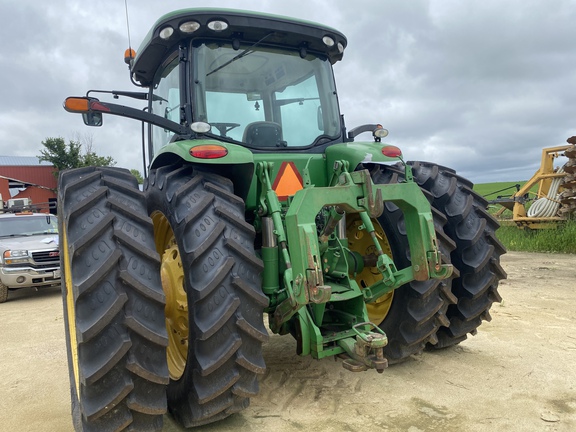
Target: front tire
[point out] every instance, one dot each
(113, 303)
(211, 276)
(3, 293)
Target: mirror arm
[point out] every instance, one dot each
(137, 114)
(361, 129)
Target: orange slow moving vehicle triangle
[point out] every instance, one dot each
(288, 181)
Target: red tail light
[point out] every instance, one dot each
(208, 151)
(391, 151)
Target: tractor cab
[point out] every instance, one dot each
(232, 77)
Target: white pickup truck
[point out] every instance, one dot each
(29, 254)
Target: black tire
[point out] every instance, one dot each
(477, 253)
(113, 302)
(199, 222)
(418, 309)
(3, 293)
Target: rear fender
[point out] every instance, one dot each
(237, 164)
(356, 153)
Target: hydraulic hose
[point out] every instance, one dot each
(545, 206)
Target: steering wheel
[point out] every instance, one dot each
(224, 128)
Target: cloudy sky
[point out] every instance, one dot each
(479, 85)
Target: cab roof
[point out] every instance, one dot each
(245, 26)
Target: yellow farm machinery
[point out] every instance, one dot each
(554, 202)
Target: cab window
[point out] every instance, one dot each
(264, 96)
(166, 100)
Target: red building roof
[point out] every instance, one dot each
(26, 177)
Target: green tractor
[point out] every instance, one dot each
(256, 200)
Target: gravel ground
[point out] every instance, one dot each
(517, 374)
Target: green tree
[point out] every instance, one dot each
(64, 156)
(138, 176)
(92, 159)
(60, 155)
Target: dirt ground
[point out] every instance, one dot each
(517, 374)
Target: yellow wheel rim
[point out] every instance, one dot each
(71, 310)
(360, 241)
(176, 310)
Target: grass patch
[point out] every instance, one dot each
(561, 240)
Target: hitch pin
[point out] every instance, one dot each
(336, 214)
(370, 228)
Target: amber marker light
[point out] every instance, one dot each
(76, 104)
(208, 151)
(391, 151)
(129, 55)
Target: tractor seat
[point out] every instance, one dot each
(263, 134)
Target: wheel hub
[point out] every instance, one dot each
(176, 310)
(360, 241)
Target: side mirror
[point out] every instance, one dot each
(92, 118)
(82, 105)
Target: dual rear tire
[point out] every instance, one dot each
(477, 253)
(437, 314)
(128, 279)
(211, 276)
(113, 302)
